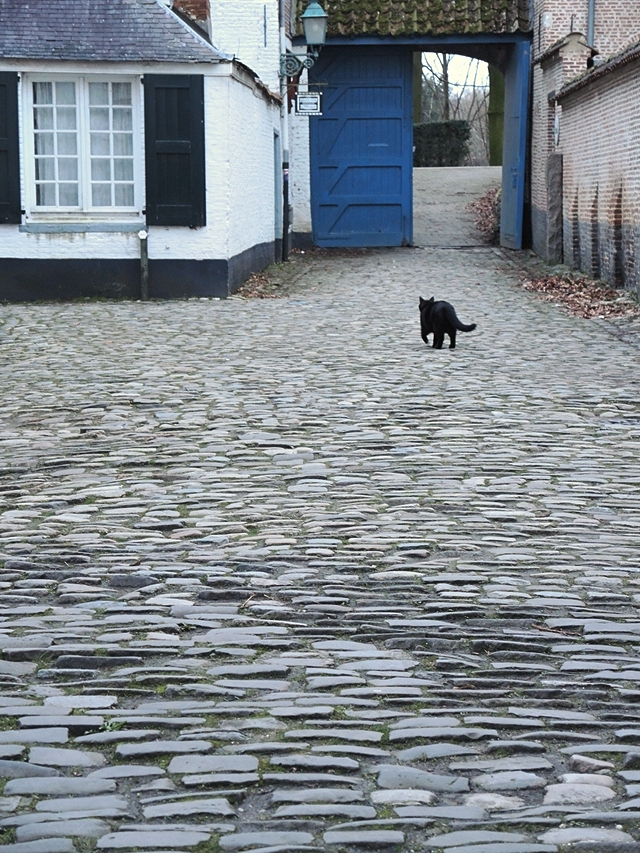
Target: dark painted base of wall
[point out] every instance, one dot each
(30, 279)
(592, 249)
(302, 240)
(252, 260)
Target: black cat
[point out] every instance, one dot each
(440, 318)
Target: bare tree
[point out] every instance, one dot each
(447, 97)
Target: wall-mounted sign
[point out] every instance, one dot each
(309, 104)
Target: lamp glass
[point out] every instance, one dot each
(314, 22)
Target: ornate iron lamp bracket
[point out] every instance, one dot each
(291, 64)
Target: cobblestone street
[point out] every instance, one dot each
(279, 577)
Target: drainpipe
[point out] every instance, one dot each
(591, 21)
(284, 122)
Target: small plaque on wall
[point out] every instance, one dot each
(309, 104)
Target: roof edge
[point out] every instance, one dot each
(626, 57)
(200, 39)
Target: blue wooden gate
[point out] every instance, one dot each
(514, 156)
(362, 148)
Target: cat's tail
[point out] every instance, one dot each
(462, 328)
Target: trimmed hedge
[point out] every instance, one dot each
(443, 143)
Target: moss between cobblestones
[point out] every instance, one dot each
(85, 845)
(7, 723)
(210, 846)
(112, 724)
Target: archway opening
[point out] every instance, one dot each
(458, 120)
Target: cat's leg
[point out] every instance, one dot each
(452, 337)
(425, 337)
(438, 340)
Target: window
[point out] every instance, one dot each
(84, 148)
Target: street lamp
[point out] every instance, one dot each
(314, 23)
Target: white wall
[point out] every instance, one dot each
(300, 178)
(238, 28)
(239, 125)
(251, 173)
(239, 128)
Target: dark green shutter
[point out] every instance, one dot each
(174, 146)
(9, 149)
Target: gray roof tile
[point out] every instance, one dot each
(105, 30)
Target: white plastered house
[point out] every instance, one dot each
(119, 120)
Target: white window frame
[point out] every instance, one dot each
(84, 212)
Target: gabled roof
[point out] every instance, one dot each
(99, 30)
(424, 17)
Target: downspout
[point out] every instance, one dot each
(284, 122)
(591, 22)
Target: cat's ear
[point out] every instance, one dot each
(433, 299)
(421, 303)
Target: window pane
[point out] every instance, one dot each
(124, 195)
(43, 118)
(64, 146)
(122, 119)
(43, 93)
(101, 170)
(99, 118)
(99, 94)
(121, 94)
(65, 93)
(68, 195)
(101, 195)
(67, 169)
(46, 195)
(67, 143)
(123, 170)
(123, 143)
(66, 118)
(100, 143)
(45, 169)
(44, 143)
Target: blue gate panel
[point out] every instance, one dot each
(365, 180)
(362, 148)
(372, 98)
(366, 138)
(516, 82)
(374, 217)
(355, 63)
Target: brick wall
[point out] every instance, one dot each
(289, 10)
(300, 180)
(551, 71)
(600, 142)
(616, 23)
(559, 58)
(197, 10)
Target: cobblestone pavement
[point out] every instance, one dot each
(278, 577)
